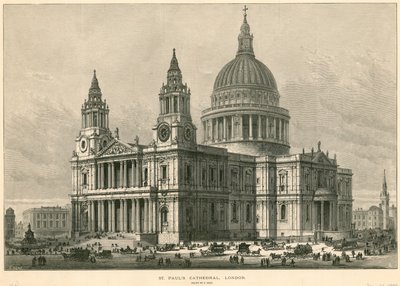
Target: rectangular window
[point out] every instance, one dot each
(164, 172)
(84, 180)
(188, 173)
(44, 224)
(57, 224)
(63, 223)
(51, 224)
(38, 224)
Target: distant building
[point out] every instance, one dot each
(9, 224)
(382, 217)
(48, 221)
(393, 219)
(365, 219)
(384, 196)
(19, 230)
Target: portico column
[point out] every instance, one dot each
(121, 214)
(146, 217)
(126, 174)
(109, 216)
(113, 175)
(102, 176)
(155, 216)
(322, 215)
(133, 216)
(137, 218)
(89, 203)
(98, 216)
(267, 135)
(126, 220)
(274, 128)
(224, 128)
(137, 178)
(121, 175)
(150, 216)
(259, 135)
(113, 216)
(109, 176)
(93, 221)
(250, 127)
(103, 213)
(132, 182)
(98, 174)
(241, 127)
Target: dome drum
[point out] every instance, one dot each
(260, 129)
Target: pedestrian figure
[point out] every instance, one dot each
(292, 262)
(34, 261)
(242, 260)
(262, 262)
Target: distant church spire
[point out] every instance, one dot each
(384, 185)
(245, 38)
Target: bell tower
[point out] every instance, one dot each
(384, 196)
(174, 123)
(95, 133)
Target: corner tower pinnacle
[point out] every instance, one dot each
(174, 123)
(95, 132)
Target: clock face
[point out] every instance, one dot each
(163, 132)
(188, 133)
(83, 144)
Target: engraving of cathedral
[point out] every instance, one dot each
(239, 182)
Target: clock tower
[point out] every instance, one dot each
(174, 123)
(95, 133)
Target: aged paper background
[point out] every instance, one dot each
(151, 277)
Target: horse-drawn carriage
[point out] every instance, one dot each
(77, 255)
(244, 250)
(214, 250)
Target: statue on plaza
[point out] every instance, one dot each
(29, 236)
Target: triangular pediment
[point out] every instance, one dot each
(321, 158)
(117, 147)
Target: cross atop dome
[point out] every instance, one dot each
(245, 38)
(245, 13)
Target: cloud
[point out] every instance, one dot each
(41, 76)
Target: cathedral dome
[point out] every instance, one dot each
(245, 116)
(245, 70)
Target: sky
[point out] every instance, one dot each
(335, 66)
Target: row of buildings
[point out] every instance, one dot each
(51, 222)
(383, 216)
(238, 180)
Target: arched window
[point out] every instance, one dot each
(164, 215)
(283, 212)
